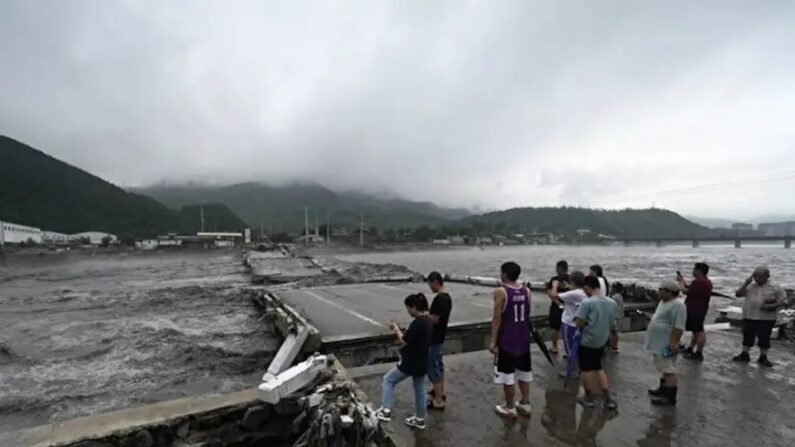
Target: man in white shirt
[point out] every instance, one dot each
(760, 310)
(571, 301)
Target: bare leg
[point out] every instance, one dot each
(510, 395)
(671, 380)
(701, 340)
(555, 336)
(604, 385)
(524, 388)
(586, 378)
(438, 393)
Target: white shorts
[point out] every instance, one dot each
(665, 365)
(508, 368)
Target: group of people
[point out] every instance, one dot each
(586, 312)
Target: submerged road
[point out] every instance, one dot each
(721, 403)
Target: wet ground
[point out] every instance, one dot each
(81, 334)
(721, 403)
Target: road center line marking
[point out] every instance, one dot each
(478, 303)
(343, 308)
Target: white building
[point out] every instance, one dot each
(55, 238)
(11, 233)
(94, 237)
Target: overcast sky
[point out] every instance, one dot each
(687, 105)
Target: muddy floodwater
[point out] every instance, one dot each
(82, 334)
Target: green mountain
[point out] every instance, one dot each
(629, 223)
(39, 190)
(282, 208)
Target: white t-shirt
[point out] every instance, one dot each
(603, 286)
(571, 303)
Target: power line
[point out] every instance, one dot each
(706, 188)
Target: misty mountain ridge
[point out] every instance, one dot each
(281, 208)
(42, 191)
(39, 190)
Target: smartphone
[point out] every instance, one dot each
(678, 273)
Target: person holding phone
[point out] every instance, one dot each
(697, 296)
(413, 362)
(760, 310)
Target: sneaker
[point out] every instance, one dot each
(742, 357)
(524, 409)
(414, 422)
(695, 355)
(610, 404)
(763, 361)
(587, 401)
(684, 351)
(506, 412)
(383, 414)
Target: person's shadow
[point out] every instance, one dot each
(659, 432)
(560, 414)
(560, 418)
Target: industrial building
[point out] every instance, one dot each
(12, 233)
(777, 229)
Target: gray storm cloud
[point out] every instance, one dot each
(472, 103)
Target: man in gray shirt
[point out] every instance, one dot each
(596, 319)
(760, 310)
(662, 340)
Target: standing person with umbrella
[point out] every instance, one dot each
(510, 341)
(596, 319)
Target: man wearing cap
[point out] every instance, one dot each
(762, 302)
(662, 340)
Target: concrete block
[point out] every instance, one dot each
(142, 438)
(287, 353)
(182, 430)
(292, 380)
(288, 407)
(93, 444)
(256, 417)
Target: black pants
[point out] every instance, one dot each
(759, 330)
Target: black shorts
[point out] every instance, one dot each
(509, 367)
(759, 331)
(555, 316)
(695, 323)
(590, 359)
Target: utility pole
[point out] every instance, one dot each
(306, 222)
(328, 229)
(361, 229)
(261, 231)
(317, 228)
(201, 210)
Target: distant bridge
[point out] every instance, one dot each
(696, 241)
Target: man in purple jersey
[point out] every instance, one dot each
(510, 341)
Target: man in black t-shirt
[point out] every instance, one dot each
(555, 312)
(440, 315)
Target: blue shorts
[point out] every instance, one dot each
(435, 363)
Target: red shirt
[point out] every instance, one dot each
(698, 294)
